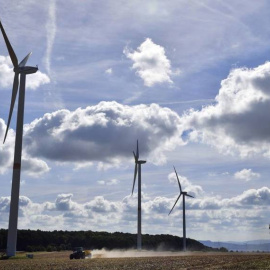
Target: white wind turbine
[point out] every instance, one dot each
(184, 210)
(138, 164)
(22, 70)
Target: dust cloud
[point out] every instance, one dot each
(118, 253)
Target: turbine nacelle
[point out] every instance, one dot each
(141, 161)
(186, 194)
(25, 70)
(137, 162)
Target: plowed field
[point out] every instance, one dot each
(60, 260)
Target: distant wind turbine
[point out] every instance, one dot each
(138, 164)
(22, 70)
(184, 210)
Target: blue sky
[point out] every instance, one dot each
(189, 79)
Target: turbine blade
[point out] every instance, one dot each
(189, 196)
(13, 98)
(175, 203)
(23, 62)
(178, 180)
(9, 47)
(135, 175)
(137, 153)
(135, 157)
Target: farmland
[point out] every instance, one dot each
(144, 260)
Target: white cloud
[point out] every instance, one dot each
(64, 202)
(101, 182)
(105, 133)
(7, 149)
(33, 81)
(246, 174)
(109, 182)
(37, 79)
(6, 72)
(159, 205)
(4, 204)
(82, 165)
(34, 167)
(237, 123)
(248, 199)
(101, 205)
(109, 71)
(151, 63)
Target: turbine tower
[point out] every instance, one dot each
(184, 210)
(22, 70)
(138, 164)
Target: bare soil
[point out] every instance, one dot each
(175, 261)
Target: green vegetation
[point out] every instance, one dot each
(30, 241)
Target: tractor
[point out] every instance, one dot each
(78, 253)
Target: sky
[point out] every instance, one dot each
(189, 79)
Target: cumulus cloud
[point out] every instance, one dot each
(246, 174)
(159, 205)
(37, 79)
(104, 133)
(7, 149)
(64, 202)
(34, 167)
(151, 63)
(33, 81)
(4, 204)
(109, 182)
(237, 122)
(101, 205)
(6, 72)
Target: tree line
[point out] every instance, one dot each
(37, 240)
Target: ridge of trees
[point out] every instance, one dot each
(37, 240)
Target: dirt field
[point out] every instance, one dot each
(194, 260)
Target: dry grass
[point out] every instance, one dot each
(196, 260)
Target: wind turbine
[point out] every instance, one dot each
(22, 70)
(138, 164)
(184, 210)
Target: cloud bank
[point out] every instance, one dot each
(245, 211)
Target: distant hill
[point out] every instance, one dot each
(30, 240)
(255, 245)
